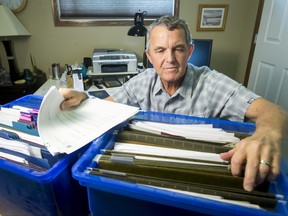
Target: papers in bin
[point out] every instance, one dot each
(204, 132)
(65, 131)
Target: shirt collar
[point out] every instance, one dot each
(184, 89)
(158, 86)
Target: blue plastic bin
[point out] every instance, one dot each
(114, 197)
(52, 192)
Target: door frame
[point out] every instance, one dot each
(253, 42)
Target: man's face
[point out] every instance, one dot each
(169, 53)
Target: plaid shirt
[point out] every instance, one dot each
(203, 93)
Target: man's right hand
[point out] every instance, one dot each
(72, 98)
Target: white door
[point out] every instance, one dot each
(269, 70)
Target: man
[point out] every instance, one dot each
(173, 86)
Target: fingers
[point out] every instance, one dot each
(72, 98)
(252, 174)
(65, 92)
(264, 170)
(227, 155)
(69, 103)
(261, 162)
(275, 167)
(238, 161)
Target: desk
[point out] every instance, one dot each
(51, 82)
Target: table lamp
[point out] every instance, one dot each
(139, 30)
(10, 27)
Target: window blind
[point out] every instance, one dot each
(113, 10)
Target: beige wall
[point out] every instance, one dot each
(49, 44)
(246, 38)
(230, 47)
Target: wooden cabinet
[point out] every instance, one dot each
(9, 93)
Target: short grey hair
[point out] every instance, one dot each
(171, 22)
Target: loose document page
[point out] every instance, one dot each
(167, 152)
(204, 132)
(65, 131)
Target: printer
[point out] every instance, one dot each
(114, 61)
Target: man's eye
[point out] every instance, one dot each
(180, 49)
(160, 50)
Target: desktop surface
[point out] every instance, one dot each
(51, 82)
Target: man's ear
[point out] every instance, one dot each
(148, 55)
(191, 49)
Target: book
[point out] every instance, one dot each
(65, 131)
(102, 94)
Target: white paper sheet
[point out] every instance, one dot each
(167, 152)
(65, 131)
(204, 132)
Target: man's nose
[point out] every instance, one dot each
(170, 56)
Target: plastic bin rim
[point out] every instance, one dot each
(42, 177)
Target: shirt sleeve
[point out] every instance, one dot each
(127, 92)
(229, 99)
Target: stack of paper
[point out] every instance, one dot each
(204, 132)
(65, 131)
(20, 147)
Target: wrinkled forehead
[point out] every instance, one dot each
(161, 32)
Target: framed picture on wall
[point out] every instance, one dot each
(212, 17)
